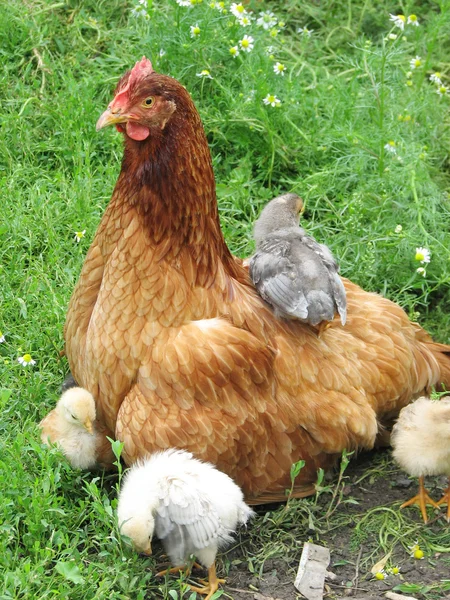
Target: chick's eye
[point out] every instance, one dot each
(147, 102)
(73, 417)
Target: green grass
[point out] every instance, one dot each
(342, 95)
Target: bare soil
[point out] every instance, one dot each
(351, 561)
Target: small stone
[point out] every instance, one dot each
(313, 565)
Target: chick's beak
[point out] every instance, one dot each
(148, 550)
(111, 117)
(88, 425)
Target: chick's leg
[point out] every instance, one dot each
(186, 569)
(422, 499)
(211, 586)
(446, 500)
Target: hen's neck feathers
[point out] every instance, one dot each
(170, 181)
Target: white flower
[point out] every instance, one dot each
(392, 36)
(398, 20)
(414, 63)
(390, 147)
(271, 100)
(161, 52)
(195, 31)
(305, 31)
(267, 20)
(442, 90)
(238, 10)
(26, 360)
(251, 96)
(234, 51)
(220, 6)
(139, 11)
(204, 73)
(2, 338)
(183, 2)
(436, 78)
(270, 50)
(421, 271)
(246, 43)
(245, 21)
(398, 229)
(279, 69)
(423, 255)
(79, 235)
(412, 20)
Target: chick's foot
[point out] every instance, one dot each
(446, 500)
(211, 586)
(422, 499)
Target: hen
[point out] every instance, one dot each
(192, 507)
(168, 333)
(295, 274)
(421, 446)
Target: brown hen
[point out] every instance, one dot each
(167, 332)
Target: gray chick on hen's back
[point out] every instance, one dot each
(291, 271)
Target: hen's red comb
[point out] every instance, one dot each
(140, 70)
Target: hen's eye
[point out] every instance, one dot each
(147, 102)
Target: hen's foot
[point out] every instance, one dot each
(446, 500)
(211, 586)
(323, 326)
(422, 499)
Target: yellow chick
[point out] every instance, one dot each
(421, 446)
(71, 425)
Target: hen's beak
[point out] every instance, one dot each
(88, 425)
(110, 117)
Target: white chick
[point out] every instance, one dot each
(295, 274)
(71, 425)
(190, 505)
(421, 446)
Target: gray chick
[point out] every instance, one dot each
(295, 274)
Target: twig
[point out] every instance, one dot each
(41, 66)
(356, 576)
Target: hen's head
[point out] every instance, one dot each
(144, 102)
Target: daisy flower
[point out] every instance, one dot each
(238, 10)
(442, 90)
(246, 43)
(244, 21)
(271, 100)
(79, 235)
(392, 36)
(183, 2)
(421, 271)
(204, 73)
(195, 31)
(279, 69)
(2, 338)
(436, 78)
(423, 255)
(390, 147)
(267, 20)
(305, 31)
(234, 51)
(414, 63)
(398, 20)
(398, 229)
(140, 10)
(380, 575)
(412, 20)
(26, 360)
